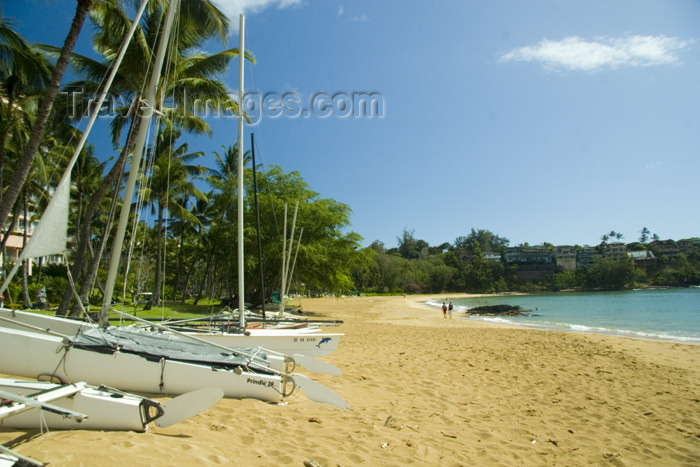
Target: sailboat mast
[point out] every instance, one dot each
(257, 226)
(241, 278)
(149, 100)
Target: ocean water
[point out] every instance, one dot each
(666, 314)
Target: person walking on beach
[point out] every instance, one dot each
(449, 309)
(444, 310)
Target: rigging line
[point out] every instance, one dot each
(169, 65)
(110, 220)
(145, 168)
(78, 302)
(136, 220)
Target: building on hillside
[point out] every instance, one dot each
(667, 248)
(532, 263)
(687, 245)
(641, 257)
(587, 256)
(614, 250)
(493, 257)
(564, 257)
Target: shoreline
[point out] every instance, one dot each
(574, 327)
(426, 390)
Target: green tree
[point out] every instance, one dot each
(191, 73)
(610, 274)
(644, 235)
(411, 247)
(23, 78)
(171, 179)
(327, 255)
(25, 162)
(487, 241)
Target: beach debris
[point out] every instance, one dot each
(448, 435)
(384, 445)
(311, 463)
(554, 442)
(388, 420)
(608, 455)
(494, 310)
(315, 420)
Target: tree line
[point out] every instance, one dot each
(414, 266)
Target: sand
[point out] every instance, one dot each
(424, 390)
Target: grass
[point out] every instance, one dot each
(166, 310)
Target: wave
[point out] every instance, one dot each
(571, 327)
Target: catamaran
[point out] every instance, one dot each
(31, 404)
(280, 361)
(41, 404)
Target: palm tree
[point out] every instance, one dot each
(201, 210)
(23, 76)
(171, 181)
(644, 235)
(25, 162)
(191, 70)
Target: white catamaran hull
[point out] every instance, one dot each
(282, 341)
(50, 323)
(105, 410)
(285, 341)
(40, 356)
(303, 345)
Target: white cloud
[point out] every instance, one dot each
(574, 53)
(341, 10)
(233, 8)
(361, 18)
(653, 165)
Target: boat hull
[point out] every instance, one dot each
(46, 357)
(282, 341)
(106, 410)
(286, 341)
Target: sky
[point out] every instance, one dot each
(541, 121)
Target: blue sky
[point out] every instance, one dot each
(541, 121)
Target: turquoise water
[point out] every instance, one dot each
(668, 314)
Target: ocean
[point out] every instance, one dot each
(665, 314)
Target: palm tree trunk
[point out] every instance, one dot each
(3, 139)
(25, 263)
(113, 178)
(155, 301)
(25, 162)
(178, 265)
(91, 272)
(203, 282)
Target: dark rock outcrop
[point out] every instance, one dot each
(496, 310)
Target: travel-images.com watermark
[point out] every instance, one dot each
(256, 105)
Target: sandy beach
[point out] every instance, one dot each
(425, 390)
